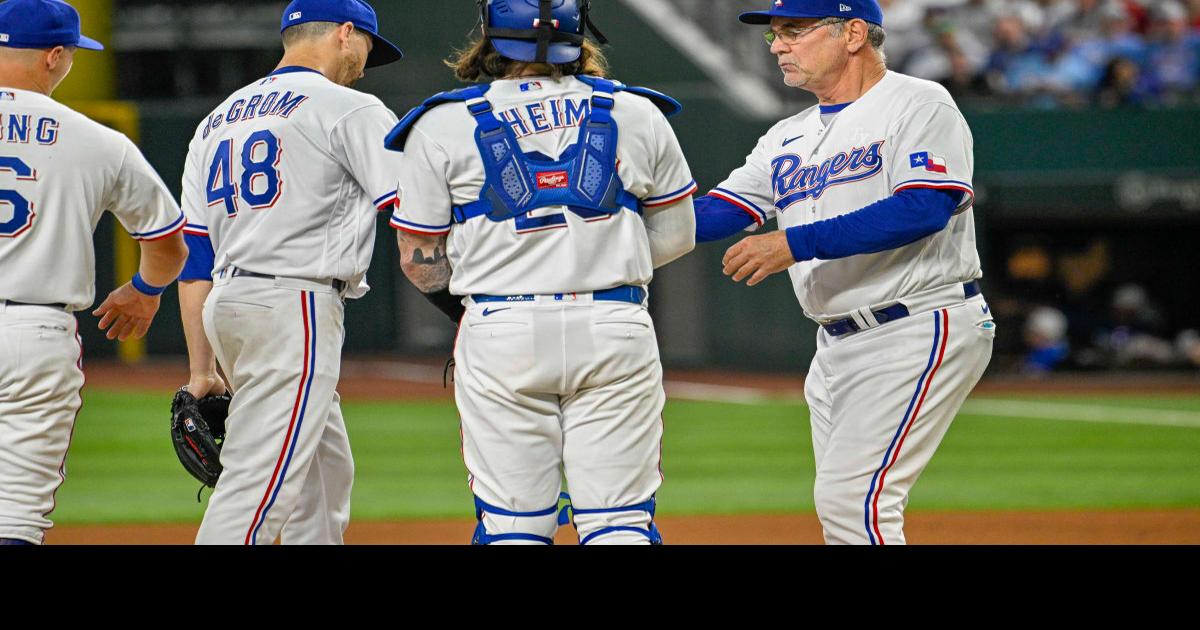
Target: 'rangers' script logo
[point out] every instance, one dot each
(792, 181)
(556, 179)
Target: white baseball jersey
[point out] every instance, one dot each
(59, 171)
(286, 175)
(903, 133)
(539, 253)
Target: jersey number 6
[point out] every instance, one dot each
(22, 208)
(260, 161)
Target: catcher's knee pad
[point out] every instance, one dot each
(637, 519)
(537, 526)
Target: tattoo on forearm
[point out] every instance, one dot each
(418, 257)
(428, 271)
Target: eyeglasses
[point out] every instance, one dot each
(790, 36)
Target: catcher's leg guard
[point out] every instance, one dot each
(616, 525)
(519, 527)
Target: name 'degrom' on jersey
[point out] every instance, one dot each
(22, 128)
(257, 106)
(794, 182)
(548, 115)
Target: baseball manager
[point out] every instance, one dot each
(871, 190)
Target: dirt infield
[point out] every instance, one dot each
(1006, 528)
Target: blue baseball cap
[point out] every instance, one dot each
(357, 12)
(867, 10)
(42, 24)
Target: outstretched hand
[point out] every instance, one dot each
(757, 257)
(127, 312)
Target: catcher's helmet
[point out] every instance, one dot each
(544, 31)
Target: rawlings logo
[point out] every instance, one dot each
(792, 181)
(555, 179)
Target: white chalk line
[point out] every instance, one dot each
(982, 407)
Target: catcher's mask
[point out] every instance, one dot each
(542, 31)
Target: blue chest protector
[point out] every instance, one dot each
(583, 178)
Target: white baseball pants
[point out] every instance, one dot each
(287, 465)
(880, 401)
(553, 388)
(41, 376)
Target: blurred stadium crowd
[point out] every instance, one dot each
(1051, 53)
(1075, 313)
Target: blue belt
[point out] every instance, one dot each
(628, 293)
(889, 314)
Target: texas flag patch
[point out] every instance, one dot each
(928, 161)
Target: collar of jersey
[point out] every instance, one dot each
(291, 69)
(833, 109)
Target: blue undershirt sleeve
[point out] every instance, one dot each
(200, 258)
(717, 219)
(903, 218)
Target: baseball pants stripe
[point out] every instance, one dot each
(941, 332)
(62, 466)
(40, 386)
(880, 402)
(308, 314)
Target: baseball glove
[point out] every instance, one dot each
(197, 431)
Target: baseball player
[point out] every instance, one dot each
(540, 203)
(281, 189)
(871, 190)
(59, 171)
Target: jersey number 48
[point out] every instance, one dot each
(259, 184)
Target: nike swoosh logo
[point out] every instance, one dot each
(986, 309)
(488, 311)
(787, 142)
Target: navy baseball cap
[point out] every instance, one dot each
(867, 10)
(357, 12)
(42, 24)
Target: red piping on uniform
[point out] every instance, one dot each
(754, 215)
(168, 234)
(291, 426)
(62, 470)
(915, 414)
(676, 199)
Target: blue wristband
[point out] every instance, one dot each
(144, 287)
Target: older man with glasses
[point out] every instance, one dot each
(871, 191)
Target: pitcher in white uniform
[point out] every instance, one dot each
(540, 204)
(282, 187)
(59, 172)
(871, 190)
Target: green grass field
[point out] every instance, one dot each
(719, 458)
